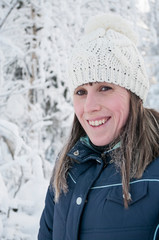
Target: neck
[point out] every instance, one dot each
(107, 148)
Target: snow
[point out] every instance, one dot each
(16, 106)
(10, 132)
(36, 39)
(143, 5)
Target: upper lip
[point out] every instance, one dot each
(98, 119)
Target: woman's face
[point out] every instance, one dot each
(102, 109)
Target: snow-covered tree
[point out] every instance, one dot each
(36, 39)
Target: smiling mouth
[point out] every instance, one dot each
(97, 123)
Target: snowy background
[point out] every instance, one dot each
(36, 38)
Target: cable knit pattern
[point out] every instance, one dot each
(106, 55)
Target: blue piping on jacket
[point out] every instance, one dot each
(155, 234)
(72, 178)
(118, 184)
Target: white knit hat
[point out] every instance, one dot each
(108, 53)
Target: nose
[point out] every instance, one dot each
(92, 103)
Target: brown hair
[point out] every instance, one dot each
(139, 147)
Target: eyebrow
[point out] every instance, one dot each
(90, 83)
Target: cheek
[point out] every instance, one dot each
(120, 109)
(77, 108)
(123, 112)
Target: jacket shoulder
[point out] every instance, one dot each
(152, 170)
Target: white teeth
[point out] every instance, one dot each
(97, 123)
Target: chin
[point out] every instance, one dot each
(100, 143)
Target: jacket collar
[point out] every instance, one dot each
(84, 151)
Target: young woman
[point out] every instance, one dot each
(105, 183)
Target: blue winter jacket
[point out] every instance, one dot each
(93, 208)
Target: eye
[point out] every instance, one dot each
(105, 88)
(80, 92)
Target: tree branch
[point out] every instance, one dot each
(7, 15)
